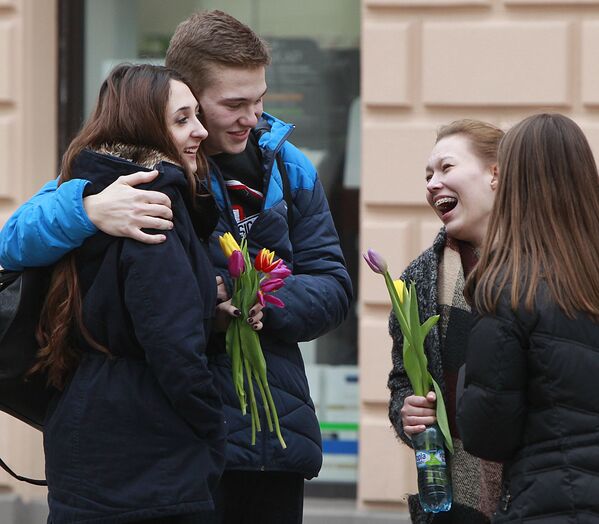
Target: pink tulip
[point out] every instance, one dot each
(236, 264)
(280, 271)
(271, 284)
(274, 301)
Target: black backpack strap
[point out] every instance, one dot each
(286, 190)
(35, 482)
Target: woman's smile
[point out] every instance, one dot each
(459, 188)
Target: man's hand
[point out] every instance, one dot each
(121, 210)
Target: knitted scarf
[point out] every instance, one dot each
(476, 482)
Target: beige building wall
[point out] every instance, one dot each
(425, 63)
(28, 65)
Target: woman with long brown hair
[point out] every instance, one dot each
(137, 432)
(533, 355)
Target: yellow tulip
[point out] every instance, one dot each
(228, 244)
(400, 288)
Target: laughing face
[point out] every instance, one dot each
(231, 105)
(460, 188)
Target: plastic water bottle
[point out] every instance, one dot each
(434, 485)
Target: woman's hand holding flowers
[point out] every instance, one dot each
(225, 310)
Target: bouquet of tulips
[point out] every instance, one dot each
(253, 282)
(405, 308)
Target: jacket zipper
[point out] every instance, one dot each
(268, 173)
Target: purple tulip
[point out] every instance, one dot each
(236, 264)
(376, 262)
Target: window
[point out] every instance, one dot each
(314, 83)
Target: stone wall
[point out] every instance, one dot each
(28, 104)
(425, 63)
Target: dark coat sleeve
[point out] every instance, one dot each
(168, 314)
(398, 383)
(317, 295)
(492, 411)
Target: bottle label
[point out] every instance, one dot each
(430, 457)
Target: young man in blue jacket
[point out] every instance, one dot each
(225, 62)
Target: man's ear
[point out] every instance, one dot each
(495, 176)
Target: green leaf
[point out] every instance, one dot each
(253, 405)
(412, 367)
(233, 343)
(250, 346)
(405, 308)
(397, 307)
(417, 339)
(414, 317)
(275, 416)
(442, 415)
(428, 325)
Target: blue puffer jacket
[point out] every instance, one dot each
(317, 296)
(140, 435)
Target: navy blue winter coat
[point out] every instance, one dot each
(317, 297)
(139, 435)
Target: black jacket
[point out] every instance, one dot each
(139, 435)
(531, 399)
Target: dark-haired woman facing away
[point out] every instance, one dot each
(137, 434)
(531, 396)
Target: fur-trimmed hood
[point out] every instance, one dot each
(103, 166)
(142, 156)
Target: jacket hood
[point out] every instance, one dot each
(272, 132)
(102, 166)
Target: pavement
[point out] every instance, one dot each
(344, 511)
(317, 510)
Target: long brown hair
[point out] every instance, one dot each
(131, 110)
(545, 220)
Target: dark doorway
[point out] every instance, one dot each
(71, 25)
